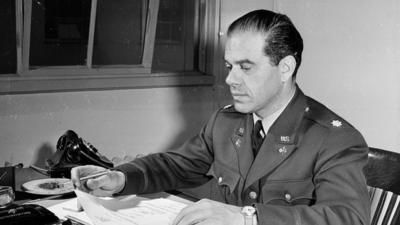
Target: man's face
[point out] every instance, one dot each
(255, 84)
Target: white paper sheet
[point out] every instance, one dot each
(68, 209)
(152, 212)
(129, 211)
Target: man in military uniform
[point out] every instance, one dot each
(274, 157)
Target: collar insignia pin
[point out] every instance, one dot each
(237, 143)
(285, 138)
(336, 123)
(282, 150)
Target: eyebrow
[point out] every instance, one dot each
(241, 61)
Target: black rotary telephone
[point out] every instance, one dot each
(74, 151)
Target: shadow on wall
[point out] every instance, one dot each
(44, 152)
(196, 104)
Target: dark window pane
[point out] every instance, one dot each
(119, 33)
(59, 32)
(8, 48)
(175, 46)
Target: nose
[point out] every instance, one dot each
(233, 78)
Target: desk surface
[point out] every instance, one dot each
(51, 202)
(23, 175)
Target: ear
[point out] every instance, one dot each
(287, 66)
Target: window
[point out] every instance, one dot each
(61, 45)
(8, 51)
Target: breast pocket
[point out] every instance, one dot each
(298, 192)
(224, 177)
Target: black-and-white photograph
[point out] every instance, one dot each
(207, 112)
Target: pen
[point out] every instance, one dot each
(98, 174)
(95, 175)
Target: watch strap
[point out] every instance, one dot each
(250, 216)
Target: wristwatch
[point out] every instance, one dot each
(250, 216)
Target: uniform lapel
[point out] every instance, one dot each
(270, 155)
(280, 141)
(241, 141)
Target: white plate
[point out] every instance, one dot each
(49, 186)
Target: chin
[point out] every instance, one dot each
(241, 108)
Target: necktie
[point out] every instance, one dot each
(257, 138)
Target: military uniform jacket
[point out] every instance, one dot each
(307, 171)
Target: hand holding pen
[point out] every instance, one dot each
(97, 180)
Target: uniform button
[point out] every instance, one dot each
(252, 195)
(219, 180)
(288, 197)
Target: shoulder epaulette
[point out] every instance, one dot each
(324, 116)
(228, 108)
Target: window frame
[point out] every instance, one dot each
(85, 77)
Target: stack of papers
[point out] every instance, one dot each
(132, 210)
(69, 210)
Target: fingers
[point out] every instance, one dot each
(194, 214)
(191, 217)
(206, 212)
(75, 175)
(105, 185)
(81, 171)
(104, 182)
(102, 193)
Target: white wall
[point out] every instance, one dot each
(351, 58)
(119, 122)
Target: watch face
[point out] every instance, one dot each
(248, 210)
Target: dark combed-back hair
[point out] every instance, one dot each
(281, 36)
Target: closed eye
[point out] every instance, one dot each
(245, 67)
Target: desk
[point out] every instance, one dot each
(128, 209)
(50, 202)
(23, 175)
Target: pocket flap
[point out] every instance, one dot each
(289, 191)
(224, 176)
